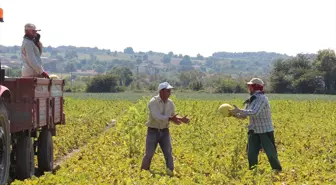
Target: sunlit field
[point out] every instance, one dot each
(210, 149)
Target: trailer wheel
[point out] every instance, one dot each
(4, 145)
(45, 155)
(25, 167)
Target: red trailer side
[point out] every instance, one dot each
(35, 102)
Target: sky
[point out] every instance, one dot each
(185, 27)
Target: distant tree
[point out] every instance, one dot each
(128, 50)
(230, 86)
(50, 66)
(99, 68)
(145, 57)
(78, 65)
(186, 60)
(93, 58)
(326, 63)
(188, 77)
(70, 54)
(138, 61)
(196, 85)
(125, 75)
(10, 72)
(87, 67)
(296, 75)
(310, 82)
(115, 53)
(171, 54)
(203, 68)
(60, 58)
(104, 83)
(180, 56)
(48, 49)
(53, 53)
(183, 68)
(152, 87)
(280, 78)
(210, 62)
(166, 59)
(200, 57)
(70, 67)
(84, 62)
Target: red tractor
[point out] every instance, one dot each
(30, 109)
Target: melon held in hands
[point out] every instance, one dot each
(224, 109)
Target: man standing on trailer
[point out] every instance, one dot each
(31, 53)
(161, 112)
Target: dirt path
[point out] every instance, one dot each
(61, 160)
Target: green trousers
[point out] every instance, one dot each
(266, 141)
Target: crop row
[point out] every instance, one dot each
(210, 149)
(85, 119)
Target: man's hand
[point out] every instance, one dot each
(175, 119)
(234, 111)
(37, 38)
(237, 113)
(45, 74)
(239, 116)
(184, 119)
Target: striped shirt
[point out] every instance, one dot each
(259, 112)
(159, 112)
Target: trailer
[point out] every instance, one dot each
(30, 109)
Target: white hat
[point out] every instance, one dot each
(30, 26)
(164, 85)
(257, 81)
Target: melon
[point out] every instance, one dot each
(53, 76)
(224, 109)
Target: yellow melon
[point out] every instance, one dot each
(53, 76)
(224, 109)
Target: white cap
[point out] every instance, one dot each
(30, 26)
(257, 81)
(164, 85)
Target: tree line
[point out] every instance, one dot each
(120, 79)
(305, 74)
(223, 72)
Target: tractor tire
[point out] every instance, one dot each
(45, 151)
(25, 167)
(4, 144)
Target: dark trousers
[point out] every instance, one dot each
(266, 141)
(155, 137)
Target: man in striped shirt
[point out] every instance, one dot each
(261, 130)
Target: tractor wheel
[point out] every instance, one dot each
(25, 167)
(45, 155)
(4, 145)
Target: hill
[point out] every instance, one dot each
(91, 61)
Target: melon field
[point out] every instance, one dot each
(108, 132)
